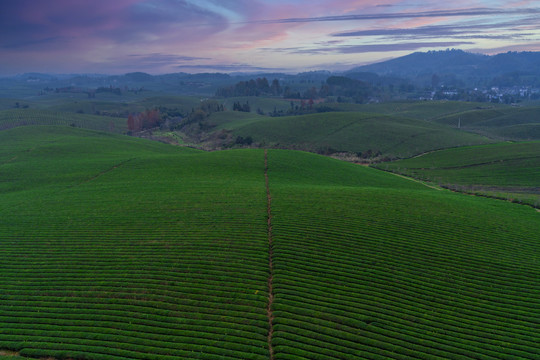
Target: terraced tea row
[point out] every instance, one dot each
(153, 259)
(507, 170)
(118, 248)
(354, 132)
(27, 117)
(402, 273)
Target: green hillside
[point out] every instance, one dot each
(426, 110)
(507, 170)
(492, 120)
(507, 123)
(131, 250)
(23, 117)
(117, 248)
(106, 105)
(233, 119)
(357, 133)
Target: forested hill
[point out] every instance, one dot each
(459, 63)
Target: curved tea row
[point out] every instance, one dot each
(402, 274)
(155, 259)
(123, 249)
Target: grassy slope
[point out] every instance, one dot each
(378, 268)
(357, 132)
(233, 119)
(104, 103)
(514, 123)
(492, 120)
(509, 170)
(125, 248)
(421, 110)
(116, 247)
(424, 110)
(19, 117)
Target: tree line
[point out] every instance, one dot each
(253, 87)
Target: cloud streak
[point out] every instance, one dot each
(230, 68)
(368, 48)
(457, 31)
(405, 15)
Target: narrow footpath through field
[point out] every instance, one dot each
(418, 181)
(270, 256)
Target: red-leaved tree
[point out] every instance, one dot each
(146, 120)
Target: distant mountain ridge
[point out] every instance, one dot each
(458, 63)
(450, 69)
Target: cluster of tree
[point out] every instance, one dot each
(167, 112)
(368, 154)
(19, 106)
(197, 122)
(241, 107)
(341, 86)
(110, 89)
(336, 86)
(240, 140)
(358, 87)
(69, 89)
(253, 87)
(146, 120)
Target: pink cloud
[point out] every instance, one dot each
(195, 33)
(534, 46)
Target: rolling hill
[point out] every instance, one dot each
(504, 170)
(505, 123)
(496, 121)
(468, 68)
(355, 132)
(27, 117)
(116, 248)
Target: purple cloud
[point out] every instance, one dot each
(30, 22)
(453, 30)
(388, 47)
(229, 68)
(405, 15)
(160, 35)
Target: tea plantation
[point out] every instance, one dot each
(504, 170)
(121, 248)
(24, 117)
(355, 132)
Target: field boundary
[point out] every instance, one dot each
(270, 258)
(493, 196)
(104, 172)
(413, 179)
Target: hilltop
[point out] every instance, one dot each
(460, 67)
(458, 62)
(505, 170)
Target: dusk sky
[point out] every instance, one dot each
(167, 36)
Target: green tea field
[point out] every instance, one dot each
(355, 132)
(120, 248)
(25, 117)
(505, 123)
(504, 170)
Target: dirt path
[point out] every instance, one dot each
(270, 259)
(104, 172)
(8, 353)
(418, 181)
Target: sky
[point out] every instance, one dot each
(170, 36)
